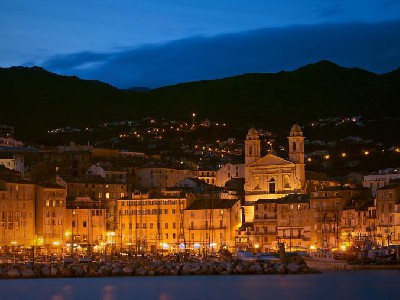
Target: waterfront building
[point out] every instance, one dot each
(327, 206)
(98, 189)
(387, 213)
(286, 220)
(151, 222)
(85, 227)
(17, 213)
(50, 212)
(211, 224)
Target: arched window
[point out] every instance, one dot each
(294, 146)
(250, 150)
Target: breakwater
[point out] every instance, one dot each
(152, 268)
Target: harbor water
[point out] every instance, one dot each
(364, 284)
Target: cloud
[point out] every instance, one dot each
(375, 47)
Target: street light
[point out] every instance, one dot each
(193, 119)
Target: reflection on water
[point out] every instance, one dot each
(329, 285)
(108, 292)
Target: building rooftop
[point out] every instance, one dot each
(211, 204)
(291, 198)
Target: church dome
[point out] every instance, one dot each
(252, 134)
(252, 131)
(296, 130)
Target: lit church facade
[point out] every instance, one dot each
(270, 176)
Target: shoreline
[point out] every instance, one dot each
(151, 268)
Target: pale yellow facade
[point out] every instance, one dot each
(272, 177)
(285, 220)
(50, 217)
(17, 213)
(85, 229)
(148, 223)
(212, 224)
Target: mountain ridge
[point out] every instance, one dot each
(47, 100)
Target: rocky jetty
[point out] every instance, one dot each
(151, 268)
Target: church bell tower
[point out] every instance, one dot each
(252, 147)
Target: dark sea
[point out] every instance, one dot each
(337, 285)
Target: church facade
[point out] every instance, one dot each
(270, 176)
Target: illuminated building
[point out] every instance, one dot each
(211, 224)
(17, 213)
(388, 214)
(228, 172)
(272, 177)
(162, 177)
(151, 222)
(12, 162)
(285, 220)
(85, 229)
(50, 216)
(98, 189)
(327, 206)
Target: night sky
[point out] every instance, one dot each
(155, 43)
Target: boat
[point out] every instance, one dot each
(325, 260)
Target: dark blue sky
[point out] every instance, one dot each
(160, 42)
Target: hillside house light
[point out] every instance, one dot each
(327, 156)
(366, 152)
(193, 118)
(344, 154)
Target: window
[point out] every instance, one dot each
(84, 223)
(271, 186)
(294, 146)
(166, 225)
(173, 211)
(250, 150)
(286, 181)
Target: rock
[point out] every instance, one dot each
(127, 271)
(13, 272)
(256, 269)
(66, 272)
(280, 268)
(241, 268)
(77, 270)
(53, 271)
(141, 271)
(174, 272)
(106, 268)
(27, 273)
(46, 271)
(293, 268)
(103, 272)
(225, 272)
(269, 271)
(116, 271)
